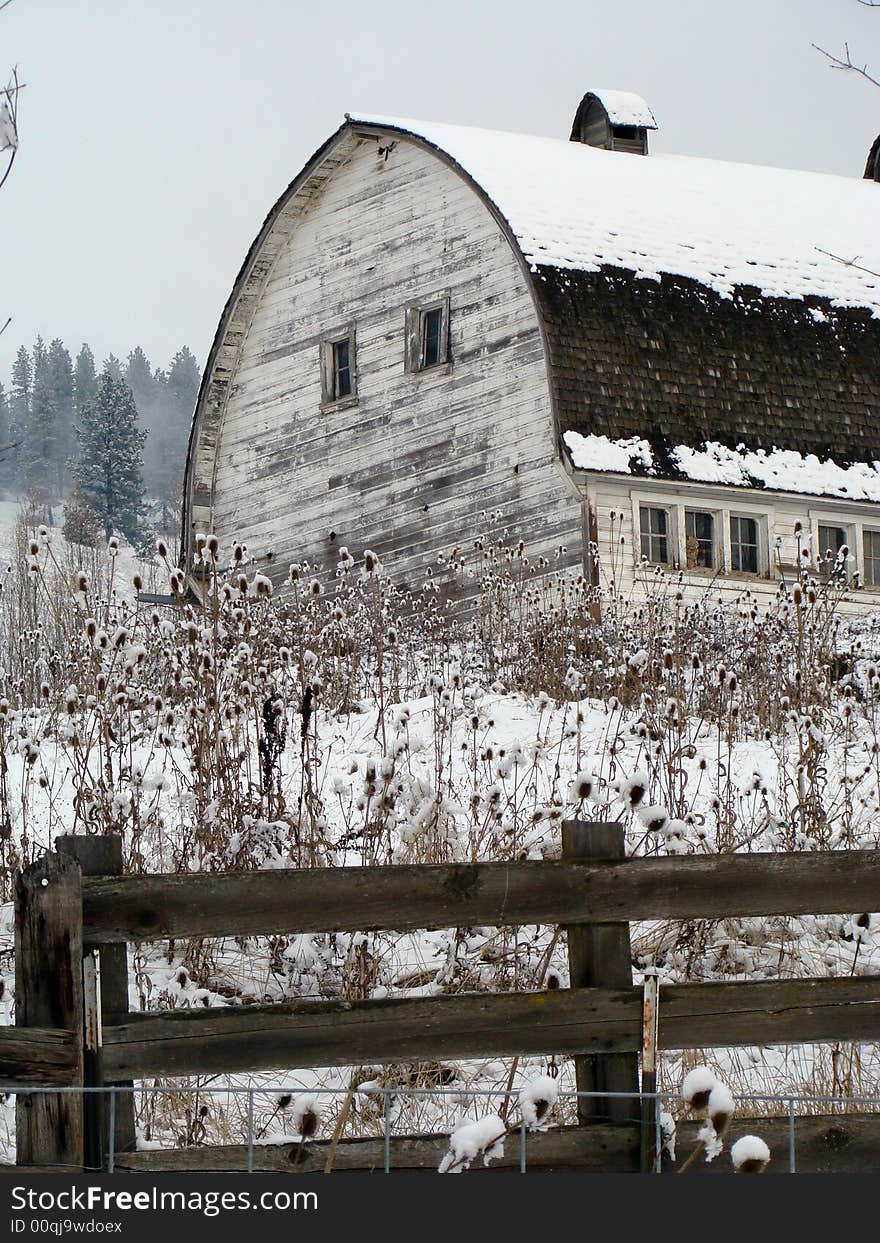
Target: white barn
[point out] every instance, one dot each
(643, 359)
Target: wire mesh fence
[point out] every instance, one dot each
(794, 1111)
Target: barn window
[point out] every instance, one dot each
(744, 546)
(338, 370)
(427, 335)
(699, 538)
(832, 539)
(654, 530)
(872, 558)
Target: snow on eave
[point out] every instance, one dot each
(789, 234)
(783, 471)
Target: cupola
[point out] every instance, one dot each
(614, 121)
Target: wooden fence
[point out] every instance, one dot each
(75, 908)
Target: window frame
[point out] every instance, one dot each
(330, 399)
(849, 539)
(863, 556)
(415, 339)
(717, 541)
(761, 543)
(672, 548)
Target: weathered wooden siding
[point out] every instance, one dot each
(778, 512)
(406, 470)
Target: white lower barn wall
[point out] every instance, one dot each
(614, 502)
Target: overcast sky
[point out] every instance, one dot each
(155, 135)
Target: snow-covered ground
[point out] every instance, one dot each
(382, 743)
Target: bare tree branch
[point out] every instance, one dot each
(849, 263)
(9, 121)
(848, 64)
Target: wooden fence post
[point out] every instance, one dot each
(599, 956)
(102, 856)
(48, 993)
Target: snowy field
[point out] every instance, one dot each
(350, 727)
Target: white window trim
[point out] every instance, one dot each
(328, 401)
(718, 524)
(414, 335)
(765, 540)
(874, 529)
(855, 542)
(673, 534)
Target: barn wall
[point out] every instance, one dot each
(777, 514)
(407, 470)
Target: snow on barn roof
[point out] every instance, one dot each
(571, 206)
(625, 108)
(784, 470)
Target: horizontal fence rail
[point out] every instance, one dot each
(75, 912)
(407, 898)
(566, 1021)
(45, 1055)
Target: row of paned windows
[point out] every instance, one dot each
(748, 554)
(426, 345)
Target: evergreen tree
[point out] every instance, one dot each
(5, 448)
(182, 388)
(62, 385)
(85, 382)
(113, 367)
(147, 389)
(109, 470)
(40, 448)
(19, 407)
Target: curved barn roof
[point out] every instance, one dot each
(790, 234)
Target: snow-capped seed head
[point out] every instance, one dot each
(33, 548)
(137, 582)
(306, 1116)
(720, 1107)
(315, 588)
(113, 546)
(369, 561)
(162, 548)
(582, 786)
(536, 1100)
(634, 791)
(697, 1087)
(654, 817)
(750, 1155)
(213, 545)
(82, 583)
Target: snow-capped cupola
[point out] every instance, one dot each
(613, 120)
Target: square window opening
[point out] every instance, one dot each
(699, 531)
(338, 370)
(744, 549)
(654, 534)
(872, 558)
(832, 539)
(427, 336)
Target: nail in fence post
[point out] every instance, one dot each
(250, 1132)
(599, 955)
(387, 1153)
